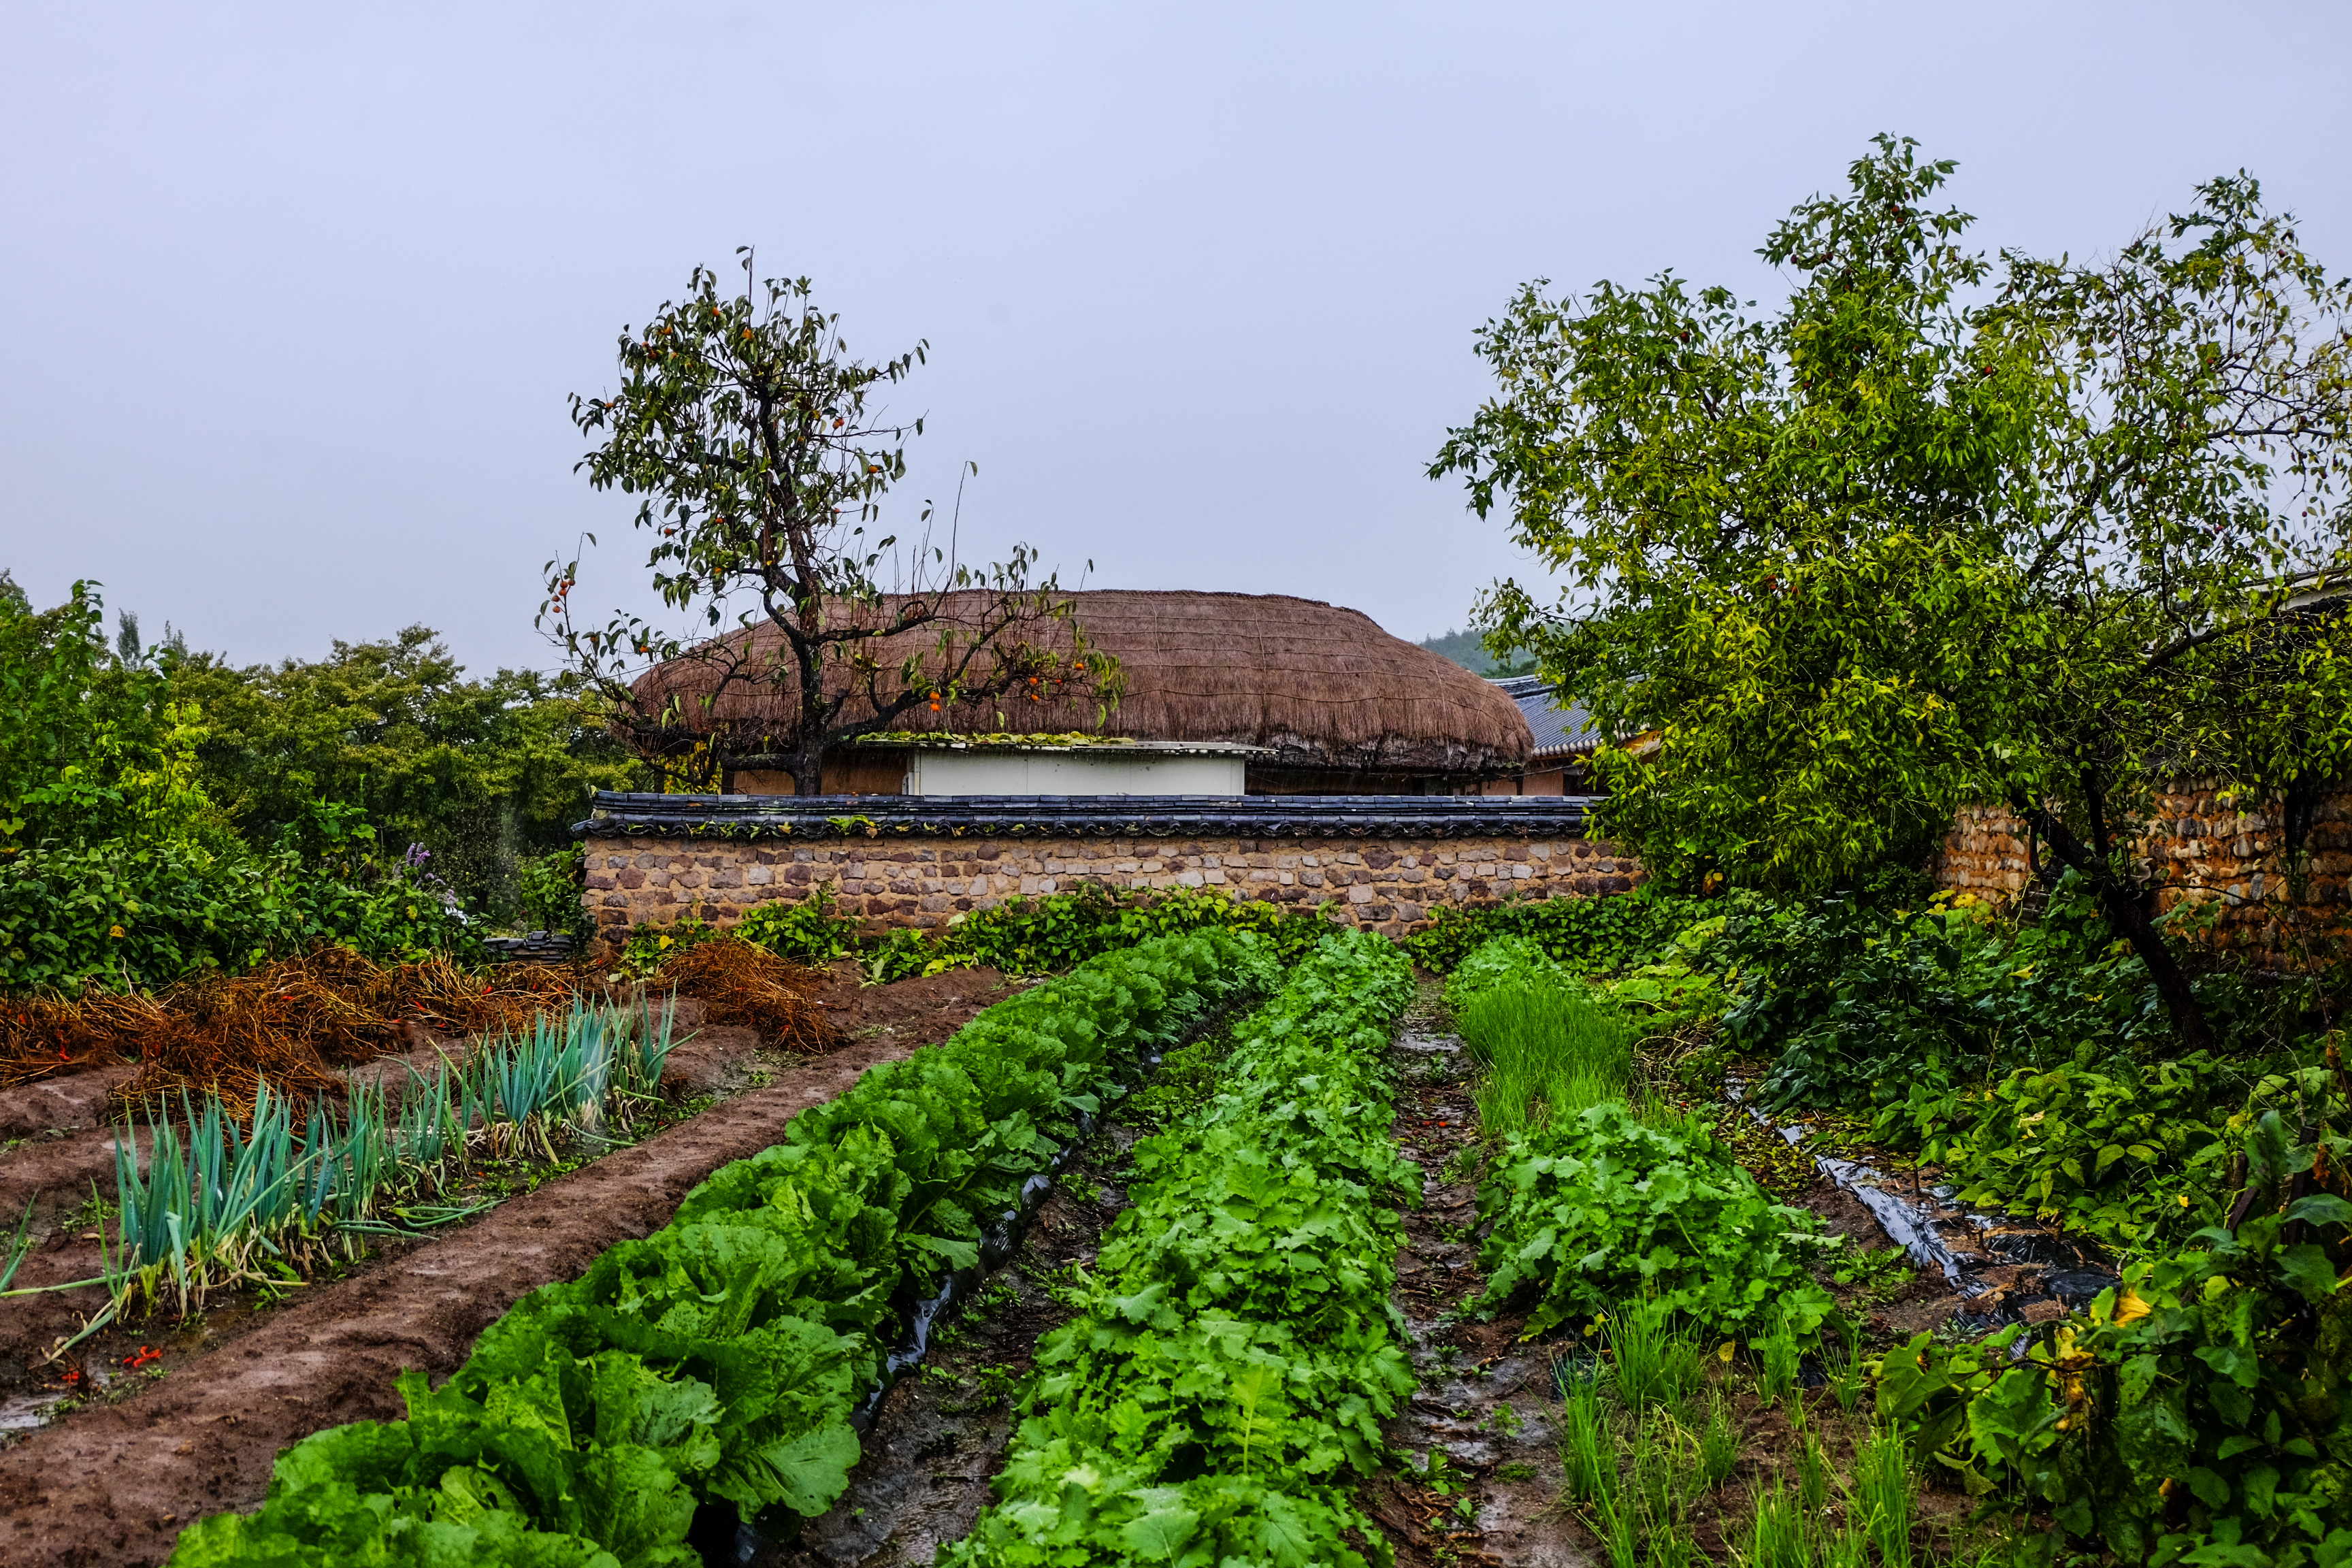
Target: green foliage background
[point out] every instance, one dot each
(485, 774)
(163, 812)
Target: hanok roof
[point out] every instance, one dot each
(1559, 729)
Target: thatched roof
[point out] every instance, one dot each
(1321, 686)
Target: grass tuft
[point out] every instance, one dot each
(1547, 1053)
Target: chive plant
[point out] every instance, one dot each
(20, 1247)
(218, 1201)
(1646, 1437)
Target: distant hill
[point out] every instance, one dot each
(1465, 649)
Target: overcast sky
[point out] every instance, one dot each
(296, 295)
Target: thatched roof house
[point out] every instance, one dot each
(1325, 700)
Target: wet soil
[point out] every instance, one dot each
(1482, 1431)
(1975, 1269)
(941, 1433)
(147, 1449)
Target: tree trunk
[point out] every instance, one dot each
(808, 654)
(2127, 908)
(808, 768)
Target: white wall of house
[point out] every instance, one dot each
(1085, 769)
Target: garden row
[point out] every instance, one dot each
(2199, 1411)
(1236, 1352)
(218, 1198)
(713, 1368)
(1629, 1232)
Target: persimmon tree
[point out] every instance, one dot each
(1944, 529)
(762, 455)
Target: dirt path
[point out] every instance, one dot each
(1481, 1428)
(115, 1483)
(940, 1437)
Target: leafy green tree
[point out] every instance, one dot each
(117, 866)
(1944, 530)
(92, 747)
(754, 439)
(476, 773)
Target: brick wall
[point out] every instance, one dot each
(2202, 849)
(1388, 885)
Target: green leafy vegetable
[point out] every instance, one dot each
(1605, 1209)
(719, 1359)
(1236, 1352)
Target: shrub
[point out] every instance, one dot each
(2201, 1412)
(2133, 1154)
(1590, 936)
(118, 872)
(1858, 1005)
(549, 889)
(1019, 936)
(129, 916)
(807, 933)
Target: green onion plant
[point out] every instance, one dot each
(213, 1198)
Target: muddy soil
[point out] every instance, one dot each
(918, 1007)
(1482, 1431)
(941, 1433)
(1905, 1301)
(152, 1447)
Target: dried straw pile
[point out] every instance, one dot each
(737, 983)
(291, 1022)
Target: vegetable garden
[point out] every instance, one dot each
(1732, 1363)
(1588, 1259)
(1788, 1213)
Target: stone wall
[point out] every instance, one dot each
(1385, 884)
(2201, 848)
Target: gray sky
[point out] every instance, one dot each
(296, 295)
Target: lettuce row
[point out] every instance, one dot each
(720, 1358)
(1237, 1351)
